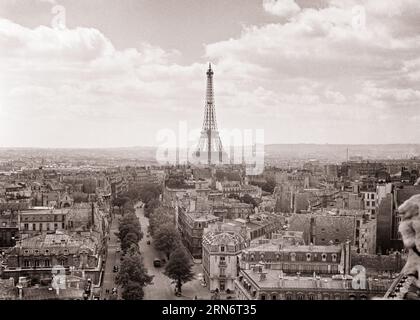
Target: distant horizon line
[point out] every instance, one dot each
(265, 145)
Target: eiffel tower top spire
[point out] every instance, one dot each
(209, 122)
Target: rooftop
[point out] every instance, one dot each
(277, 279)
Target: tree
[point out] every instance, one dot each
(120, 202)
(129, 240)
(160, 217)
(150, 207)
(149, 192)
(133, 276)
(129, 224)
(133, 291)
(269, 185)
(179, 267)
(167, 239)
(248, 199)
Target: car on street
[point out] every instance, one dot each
(157, 263)
(115, 269)
(118, 250)
(148, 242)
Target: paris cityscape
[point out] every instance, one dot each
(209, 150)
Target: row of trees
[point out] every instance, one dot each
(162, 229)
(129, 231)
(148, 194)
(133, 275)
(167, 239)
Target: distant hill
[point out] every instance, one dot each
(338, 152)
(329, 152)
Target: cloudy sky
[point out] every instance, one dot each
(306, 71)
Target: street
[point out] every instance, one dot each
(113, 258)
(162, 288)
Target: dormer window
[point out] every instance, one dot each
(334, 257)
(308, 257)
(324, 257)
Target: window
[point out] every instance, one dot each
(372, 196)
(373, 203)
(274, 297)
(222, 248)
(55, 226)
(26, 263)
(324, 257)
(311, 297)
(368, 203)
(300, 296)
(62, 225)
(47, 263)
(36, 263)
(308, 257)
(263, 297)
(33, 226)
(26, 226)
(48, 227)
(334, 257)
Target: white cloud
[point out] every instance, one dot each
(281, 8)
(308, 78)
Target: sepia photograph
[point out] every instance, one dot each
(209, 154)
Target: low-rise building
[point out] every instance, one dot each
(38, 255)
(221, 250)
(259, 283)
(41, 219)
(303, 259)
(191, 226)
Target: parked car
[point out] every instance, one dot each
(148, 242)
(115, 269)
(157, 263)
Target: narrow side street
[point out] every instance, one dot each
(113, 259)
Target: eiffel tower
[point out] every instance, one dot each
(210, 147)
